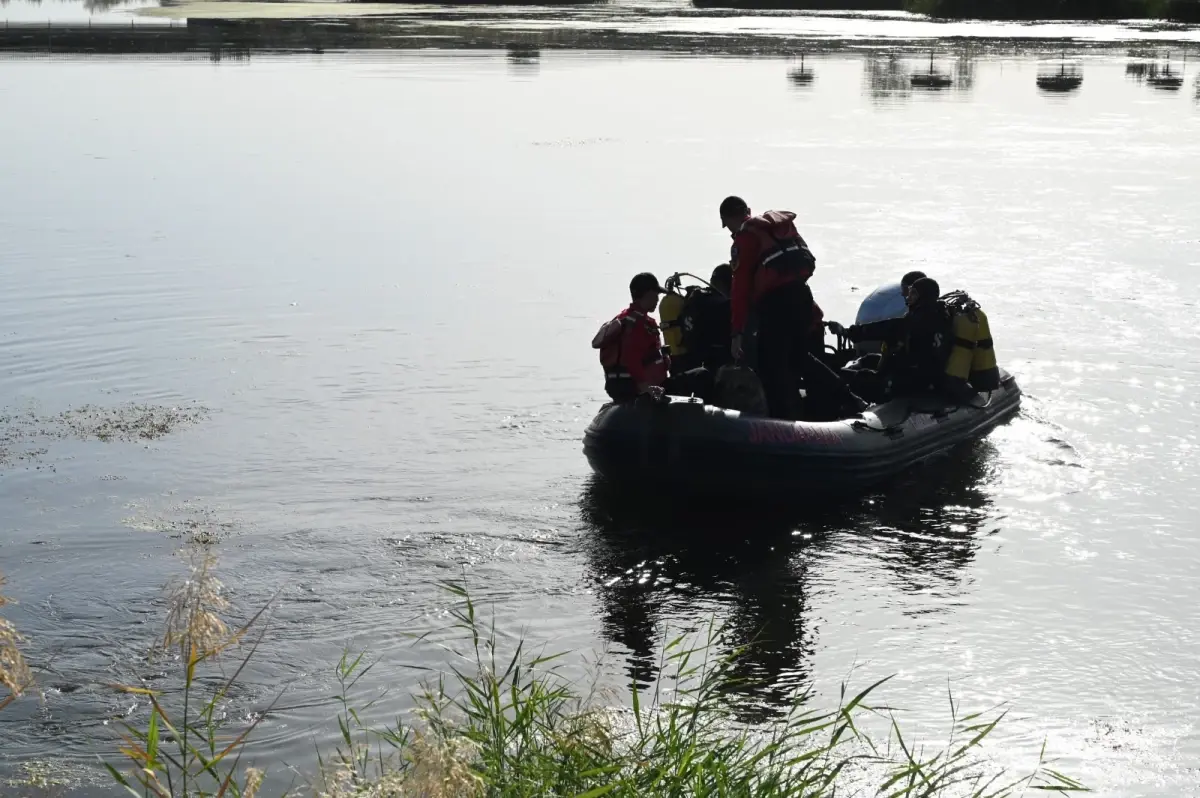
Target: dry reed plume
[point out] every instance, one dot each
(14, 673)
(193, 624)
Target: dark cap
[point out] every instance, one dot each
(927, 289)
(907, 280)
(644, 283)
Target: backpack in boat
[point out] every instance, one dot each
(738, 388)
(790, 255)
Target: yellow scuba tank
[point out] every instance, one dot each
(972, 357)
(670, 313)
(985, 373)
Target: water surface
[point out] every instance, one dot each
(379, 273)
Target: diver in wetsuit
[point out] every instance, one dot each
(918, 344)
(705, 321)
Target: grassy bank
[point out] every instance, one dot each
(511, 723)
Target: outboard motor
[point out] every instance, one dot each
(885, 302)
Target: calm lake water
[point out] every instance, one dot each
(378, 272)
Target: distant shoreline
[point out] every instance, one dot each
(992, 10)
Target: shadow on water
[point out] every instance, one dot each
(656, 563)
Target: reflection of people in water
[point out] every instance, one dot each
(656, 564)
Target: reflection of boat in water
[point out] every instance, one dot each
(657, 561)
(886, 77)
(523, 60)
(801, 76)
(1160, 77)
(1166, 80)
(1063, 80)
(523, 53)
(931, 79)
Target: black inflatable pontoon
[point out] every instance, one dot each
(684, 444)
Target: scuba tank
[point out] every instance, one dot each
(670, 314)
(972, 357)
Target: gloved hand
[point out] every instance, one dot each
(835, 328)
(655, 392)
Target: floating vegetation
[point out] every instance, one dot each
(130, 422)
(47, 778)
(194, 524)
(23, 434)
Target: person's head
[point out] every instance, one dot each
(644, 290)
(923, 292)
(734, 211)
(907, 280)
(722, 279)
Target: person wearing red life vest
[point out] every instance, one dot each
(771, 266)
(631, 347)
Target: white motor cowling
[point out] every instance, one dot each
(885, 302)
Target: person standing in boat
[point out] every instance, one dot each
(771, 265)
(631, 346)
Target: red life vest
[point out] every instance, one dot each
(781, 248)
(767, 254)
(631, 349)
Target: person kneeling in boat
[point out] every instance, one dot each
(917, 344)
(632, 353)
(971, 362)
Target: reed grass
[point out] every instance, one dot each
(15, 676)
(501, 724)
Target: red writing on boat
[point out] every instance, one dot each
(775, 432)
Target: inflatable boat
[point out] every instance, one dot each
(682, 444)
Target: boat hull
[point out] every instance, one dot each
(684, 445)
